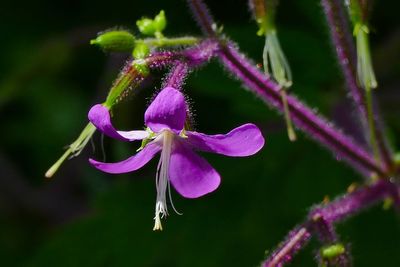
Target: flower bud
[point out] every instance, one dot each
(160, 21)
(333, 251)
(146, 26)
(118, 41)
(152, 26)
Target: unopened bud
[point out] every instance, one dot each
(117, 41)
(160, 21)
(152, 26)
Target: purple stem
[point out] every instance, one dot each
(344, 47)
(176, 77)
(343, 43)
(190, 58)
(294, 241)
(319, 129)
(203, 17)
(303, 117)
(334, 212)
(325, 231)
(182, 61)
(348, 205)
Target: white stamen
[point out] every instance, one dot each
(162, 178)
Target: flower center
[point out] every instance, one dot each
(162, 181)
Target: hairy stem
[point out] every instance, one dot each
(325, 231)
(303, 117)
(336, 211)
(177, 76)
(132, 76)
(343, 43)
(295, 240)
(203, 17)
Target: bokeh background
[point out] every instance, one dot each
(51, 76)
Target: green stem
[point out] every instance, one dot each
(160, 42)
(289, 125)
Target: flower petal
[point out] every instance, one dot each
(191, 175)
(167, 111)
(242, 141)
(100, 117)
(130, 164)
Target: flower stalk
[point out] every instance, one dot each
(304, 118)
(354, 201)
(365, 72)
(131, 76)
(274, 60)
(345, 49)
(331, 213)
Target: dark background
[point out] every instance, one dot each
(51, 76)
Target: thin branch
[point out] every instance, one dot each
(336, 211)
(343, 43)
(303, 116)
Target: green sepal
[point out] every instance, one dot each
(115, 41)
(146, 140)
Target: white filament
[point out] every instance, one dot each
(162, 181)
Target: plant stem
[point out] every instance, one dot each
(177, 76)
(371, 124)
(343, 43)
(171, 41)
(286, 112)
(303, 117)
(336, 211)
(130, 76)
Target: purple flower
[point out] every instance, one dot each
(190, 174)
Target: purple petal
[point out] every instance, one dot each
(130, 164)
(191, 175)
(242, 141)
(167, 111)
(100, 117)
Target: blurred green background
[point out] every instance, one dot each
(51, 76)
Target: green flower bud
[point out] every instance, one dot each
(332, 251)
(152, 26)
(119, 41)
(146, 26)
(160, 21)
(141, 50)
